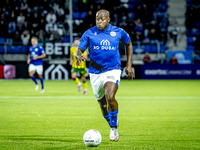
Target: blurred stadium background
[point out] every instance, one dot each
(158, 29)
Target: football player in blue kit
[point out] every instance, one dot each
(105, 65)
(35, 56)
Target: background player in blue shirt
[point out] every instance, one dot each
(105, 65)
(36, 53)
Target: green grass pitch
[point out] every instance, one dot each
(153, 115)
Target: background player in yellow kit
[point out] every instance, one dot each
(81, 69)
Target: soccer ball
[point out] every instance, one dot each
(92, 138)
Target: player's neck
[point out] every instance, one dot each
(34, 46)
(106, 26)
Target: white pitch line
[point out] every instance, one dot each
(91, 97)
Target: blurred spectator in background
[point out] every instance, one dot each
(48, 19)
(34, 22)
(60, 17)
(24, 6)
(42, 24)
(146, 58)
(3, 29)
(17, 37)
(133, 35)
(12, 27)
(60, 10)
(12, 16)
(49, 27)
(42, 16)
(173, 60)
(174, 33)
(25, 37)
(60, 28)
(55, 37)
(10, 36)
(32, 33)
(40, 35)
(51, 17)
(20, 22)
(153, 36)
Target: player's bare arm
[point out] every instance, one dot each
(39, 57)
(29, 59)
(128, 69)
(71, 60)
(79, 56)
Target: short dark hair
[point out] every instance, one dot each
(77, 38)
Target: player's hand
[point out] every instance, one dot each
(130, 73)
(35, 58)
(79, 60)
(28, 61)
(71, 62)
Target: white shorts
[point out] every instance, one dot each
(38, 69)
(98, 80)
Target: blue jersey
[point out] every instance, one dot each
(36, 51)
(103, 47)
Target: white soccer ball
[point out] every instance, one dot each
(92, 138)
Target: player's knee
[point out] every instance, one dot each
(110, 98)
(73, 78)
(105, 106)
(31, 75)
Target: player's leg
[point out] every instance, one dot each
(98, 89)
(31, 74)
(111, 83)
(74, 77)
(39, 70)
(83, 78)
(103, 105)
(112, 107)
(42, 82)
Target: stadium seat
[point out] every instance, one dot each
(194, 31)
(191, 40)
(9, 71)
(138, 28)
(154, 49)
(9, 49)
(189, 32)
(131, 1)
(132, 14)
(190, 47)
(66, 39)
(163, 1)
(83, 14)
(76, 15)
(2, 40)
(1, 49)
(147, 48)
(163, 7)
(17, 49)
(197, 24)
(163, 48)
(24, 49)
(130, 6)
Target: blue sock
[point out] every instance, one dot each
(34, 79)
(107, 119)
(113, 118)
(42, 82)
